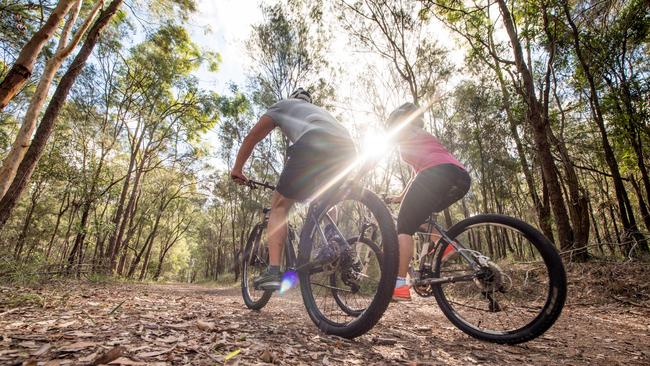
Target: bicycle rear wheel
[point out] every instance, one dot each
(372, 290)
(520, 289)
(254, 261)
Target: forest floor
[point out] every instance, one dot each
(605, 321)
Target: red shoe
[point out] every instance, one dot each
(402, 293)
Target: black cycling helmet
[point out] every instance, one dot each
(404, 111)
(301, 93)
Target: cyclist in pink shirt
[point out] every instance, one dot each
(439, 180)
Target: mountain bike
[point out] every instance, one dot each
(347, 290)
(494, 277)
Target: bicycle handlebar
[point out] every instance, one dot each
(254, 185)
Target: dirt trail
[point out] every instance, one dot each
(185, 324)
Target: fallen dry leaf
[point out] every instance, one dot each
(80, 334)
(43, 350)
(232, 354)
(109, 356)
(126, 361)
(384, 341)
(266, 356)
(205, 326)
(89, 358)
(67, 324)
(78, 346)
(154, 353)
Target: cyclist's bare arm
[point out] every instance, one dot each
(400, 197)
(261, 129)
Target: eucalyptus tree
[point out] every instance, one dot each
(66, 44)
(605, 52)
(475, 23)
(287, 51)
(165, 105)
(395, 31)
(21, 70)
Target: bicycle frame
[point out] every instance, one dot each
(432, 224)
(290, 254)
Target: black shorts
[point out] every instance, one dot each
(313, 161)
(433, 190)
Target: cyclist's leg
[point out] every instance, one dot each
(277, 236)
(288, 190)
(277, 227)
(432, 190)
(413, 211)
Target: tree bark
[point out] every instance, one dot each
(22, 68)
(117, 246)
(20, 241)
(543, 215)
(65, 204)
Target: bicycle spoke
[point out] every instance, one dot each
(331, 287)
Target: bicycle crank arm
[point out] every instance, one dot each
(441, 280)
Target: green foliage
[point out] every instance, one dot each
(288, 51)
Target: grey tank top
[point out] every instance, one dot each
(296, 117)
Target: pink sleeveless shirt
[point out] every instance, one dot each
(423, 151)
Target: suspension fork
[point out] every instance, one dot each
(312, 216)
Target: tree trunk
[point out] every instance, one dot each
(117, 217)
(145, 263)
(65, 204)
(149, 240)
(20, 241)
(21, 143)
(643, 208)
(80, 237)
(543, 215)
(45, 128)
(565, 232)
(22, 68)
(66, 242)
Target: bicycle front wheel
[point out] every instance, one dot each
(520, 289)
(254, 261)
(348, 296)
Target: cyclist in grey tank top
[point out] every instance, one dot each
(321, 148)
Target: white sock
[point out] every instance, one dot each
(401, 281)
